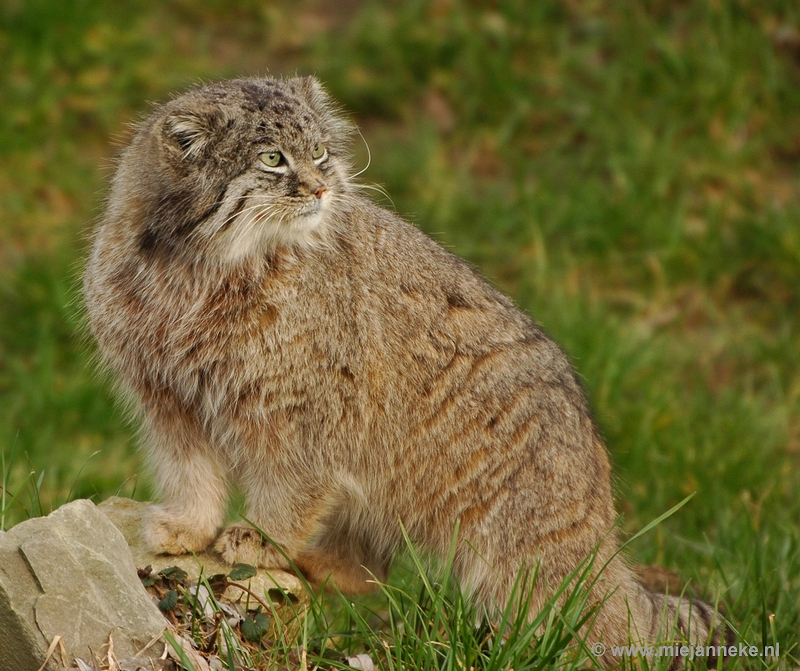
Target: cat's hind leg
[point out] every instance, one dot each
(353, 558)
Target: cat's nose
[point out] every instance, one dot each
(320, 190)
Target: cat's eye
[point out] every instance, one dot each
(271, 159)
(318, 151)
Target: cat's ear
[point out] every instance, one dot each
(339, 128)
(192, 132)
(315, 93)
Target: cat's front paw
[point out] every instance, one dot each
(170, 534)
(240, 544)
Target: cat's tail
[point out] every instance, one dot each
(641, 618)
(689, 628)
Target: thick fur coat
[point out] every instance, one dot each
(277, 330)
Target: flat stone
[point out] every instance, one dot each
(129, 517)
(70, 574)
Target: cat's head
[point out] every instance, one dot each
(236, 169)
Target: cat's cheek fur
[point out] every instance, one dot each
(255, 234)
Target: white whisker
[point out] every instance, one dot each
(369, 155)
(374, 187)
(264, 207)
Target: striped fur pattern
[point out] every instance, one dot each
(278, 331)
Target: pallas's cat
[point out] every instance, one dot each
(279, 331)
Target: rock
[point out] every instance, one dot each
(129, 516)
(70, 574)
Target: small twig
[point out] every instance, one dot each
(95, 659)
(251, 593)
(112, 658)
(152, 642)
(50, 651)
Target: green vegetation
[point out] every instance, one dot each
(423, 621)
(627, 171)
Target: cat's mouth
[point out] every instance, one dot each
(310, 211)
(312, 208)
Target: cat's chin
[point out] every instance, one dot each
(304, 230)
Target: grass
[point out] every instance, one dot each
(422, 621)
(628, 172)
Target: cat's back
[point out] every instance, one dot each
(460, 377)
(420, 292)
(442, 342)
(414, 281)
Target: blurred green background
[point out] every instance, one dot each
(627, 171)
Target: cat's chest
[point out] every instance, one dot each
(278, 324)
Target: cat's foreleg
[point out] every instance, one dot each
(191, 480)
